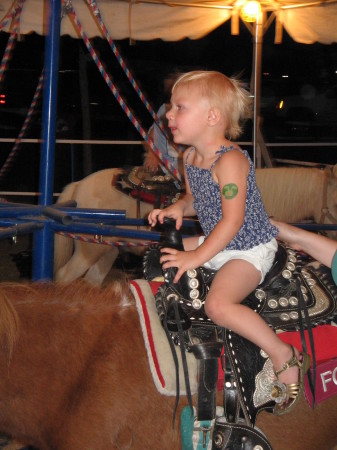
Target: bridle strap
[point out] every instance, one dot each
(302, 307)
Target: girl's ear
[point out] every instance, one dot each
(214, 116)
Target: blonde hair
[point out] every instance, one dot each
(226, 94)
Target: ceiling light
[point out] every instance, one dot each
(250, 11)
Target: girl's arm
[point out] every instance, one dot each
(182, 208)
(231, 174)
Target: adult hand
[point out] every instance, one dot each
(151, 162)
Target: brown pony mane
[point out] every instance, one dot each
(70, 298)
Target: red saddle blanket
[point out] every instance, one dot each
(325, 342)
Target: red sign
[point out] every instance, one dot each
(326, 382)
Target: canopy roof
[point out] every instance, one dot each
(305, 21)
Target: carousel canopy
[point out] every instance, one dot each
(305, 21)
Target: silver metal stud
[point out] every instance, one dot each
(197, 303)
(293, 301)
(286, 274)
(285, 317)
(193, 283)
(260, 294)
(283, 301)
(194, 293)
(291, 266)
(191, 273)
(272, 303)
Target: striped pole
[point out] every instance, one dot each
(122, 63)
(9, 16)
(173, 170)
(12, 38)
(99, 240)
(96, 12)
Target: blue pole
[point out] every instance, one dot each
(22, 228)
(44, 239)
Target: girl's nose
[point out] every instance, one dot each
(169, 114)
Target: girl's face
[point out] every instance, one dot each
(188, 115)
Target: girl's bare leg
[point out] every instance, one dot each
(191, 243)
(316, 245)
(233, 282)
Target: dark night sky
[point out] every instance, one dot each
(311, 69)
(150, 61)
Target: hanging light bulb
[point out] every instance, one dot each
(250, 11)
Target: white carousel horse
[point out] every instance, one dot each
(294, 194)
(75, 258)
(290, 195)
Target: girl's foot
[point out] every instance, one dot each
(290, 373)
(289, 384)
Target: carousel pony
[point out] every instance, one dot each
(75, 375)
(73, 259)
(289, 194)
(295, 194)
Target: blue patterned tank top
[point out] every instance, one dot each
(256, 228)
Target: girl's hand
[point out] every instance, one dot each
(173, 212)
(182, 260)
(152, 217)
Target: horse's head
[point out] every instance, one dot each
(331, 201)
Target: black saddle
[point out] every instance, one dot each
(297, 293)
(294, 279)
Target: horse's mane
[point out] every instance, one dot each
(9, 323)
(69, 298)
(116, 174)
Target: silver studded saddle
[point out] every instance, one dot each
(298, 293)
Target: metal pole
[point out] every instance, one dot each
(258, 38)
(44, 239)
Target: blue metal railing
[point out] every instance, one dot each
(18, 219)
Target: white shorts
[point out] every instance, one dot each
(261, 256)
